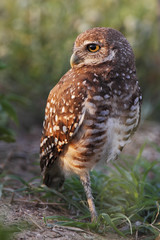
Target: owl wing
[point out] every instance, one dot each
(64, 115)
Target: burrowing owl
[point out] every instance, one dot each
(92, 111)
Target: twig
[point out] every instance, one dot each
(75, 229)
(38, 203)
(34, 221)
(157, 204)
(136, 237)
(12, 198)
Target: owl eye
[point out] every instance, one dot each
(93, 47)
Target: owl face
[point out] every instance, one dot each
(99, 45)
(90, 53)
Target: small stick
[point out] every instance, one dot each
(39, 203)
(34, 221)
(12, 198)
(156, 214)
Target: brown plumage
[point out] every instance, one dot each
(92, 111)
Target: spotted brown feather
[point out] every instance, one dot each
(63, 116)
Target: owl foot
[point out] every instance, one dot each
(85, 180)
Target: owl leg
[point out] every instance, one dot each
(85, 180)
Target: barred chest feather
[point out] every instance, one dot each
(109, 119)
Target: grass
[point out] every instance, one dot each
(7, 232)
(127, 198)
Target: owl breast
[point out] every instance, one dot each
(108, 122)
(118, 135)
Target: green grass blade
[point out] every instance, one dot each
(106, 218)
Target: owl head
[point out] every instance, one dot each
(101, 45)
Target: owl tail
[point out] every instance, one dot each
(53, 177)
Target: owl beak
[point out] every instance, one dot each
(74, 60)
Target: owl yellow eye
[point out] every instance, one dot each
(93, 47)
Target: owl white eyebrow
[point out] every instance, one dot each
(86, 42)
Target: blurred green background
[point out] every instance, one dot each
(36, 40)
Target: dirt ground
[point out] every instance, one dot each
(19, 158)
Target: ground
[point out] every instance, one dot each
(21, 158)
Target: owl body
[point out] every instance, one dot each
(102, 125)
(93, 110)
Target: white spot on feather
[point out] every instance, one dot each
(104, 112)
(91, 107)
(98, 98)
(73, 96)
(95, 75)
(52, 101)
(59, 143)
(71, 134)
(88, 122)
(95, 80)
(64, 129)
(48, 105)
(84, 82)
(130, 120)
(136, 100)
(55, 128)
(106, 96)
(56, 118)
(134, 107)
